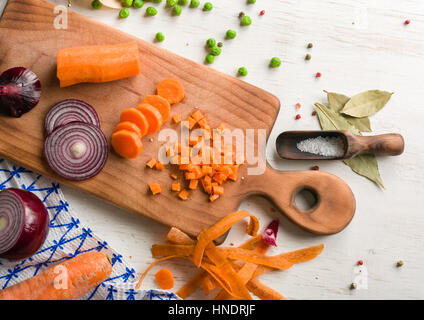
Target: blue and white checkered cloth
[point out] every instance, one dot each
(67, 238)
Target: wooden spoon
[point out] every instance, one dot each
(391, 144)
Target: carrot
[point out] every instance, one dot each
(150, 267)
(99, 63)
(192, 285)
(127, 144)
(84, 273)
(153, 117)
(173, 176)
(262, 291)
(135, 116)
(126, 125)
(171, 89)
(178, 237)
(213, 197)
(155, 188)
(183, 195)
(151, 163)
(164, 279)
(161, 104)
(176, 187)
(159, 166)
(176, 118)
(193, 184)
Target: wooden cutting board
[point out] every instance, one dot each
(28, 38)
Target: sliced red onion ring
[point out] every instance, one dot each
(76, 151)
(270, 233)
(24, 223)
(71, 110)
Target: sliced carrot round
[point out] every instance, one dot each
(152, 115)
(164, 279)
(161, 104)
(135, 116)
(127, 144)
(171, 89)
(126, 125)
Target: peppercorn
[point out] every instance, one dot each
(96, 4)
(298, 105)
(318, 75)
(177, 10)
(353, 286)
(262, 13)
(182, 2)
(138, 4)
(308, 57)
(211, 42)
(216, 51)
(220, 44)
(310, 45)
(360, 262)
(246, 21)
(407, 22)
(231, 34)
(194, 3)
(275, 62)
(315, 168)
(399, 263)
(298, 116)
(208, 6)
(159, 37)
(151, 11)
(124, 13)
(127, 3)
(210, 59)
(242, 71)
(314, 113)
(241, 14)
(171, 3)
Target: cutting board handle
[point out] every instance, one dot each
(334, 208)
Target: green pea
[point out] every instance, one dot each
(127, 3)
(96, 4)
(157, 1)
(211, 42)
(177, 10)
(124, 13)
(251, 1)
(138, 4)
(275, 62)
(182, 2)
(216, 51)
(171, 3)
(207, 6)
(194, 3)
(242, 71)
(246, 21)
(231, 34)
(150, 11)
(159, 37)
(210, 59)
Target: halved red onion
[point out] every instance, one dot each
(270, 233)
(24, 223)
(76, 151)
(71, 110)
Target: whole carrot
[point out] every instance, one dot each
(68, 280)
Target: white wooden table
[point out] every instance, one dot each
(358, 45)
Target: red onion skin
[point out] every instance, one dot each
(272, 229)
(34, 229)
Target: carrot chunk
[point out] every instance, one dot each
(151, 163)
(176, 118)
(161, 104)
(213, 197)
(173, 176)
(159, 166)
(193, 184)
(164, 279)
(176, 187)
(155, 188)
(183, 195)
(153, 117)
(126, 125)
(99, 63)
(171, 89)
(197, 115)
(127, 144)
(135, 116)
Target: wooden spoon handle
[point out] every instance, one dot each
(390, 144)
(335, 204)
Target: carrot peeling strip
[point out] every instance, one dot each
(191, 285)
(263, 292)
(176, 236)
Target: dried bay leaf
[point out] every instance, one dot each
(364, 165)
(337, 101)
(366, 103)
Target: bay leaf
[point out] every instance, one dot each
(366, 103)
(364, 165)
(337, 101)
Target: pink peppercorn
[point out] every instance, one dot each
(318, 75)
(262, 12)
(360, 262)
(315, 168)
(298, 116)
(407, 22)
(314, 113)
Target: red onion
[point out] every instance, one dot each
(76, 151)
(71, 110)
(24, 223)
(20, 91)
(270, 233)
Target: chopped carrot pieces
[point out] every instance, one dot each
(197, 116)
(183, 195)
(164, 279)
(159, 166)
(213, 197)
(151, 163)
(161, 104)
(155, 188)
(193, 184)
(176, 118)
(127, 144)
(153, 117)
(176, 187)
(219, 190)
(171, 89)
(173, 176)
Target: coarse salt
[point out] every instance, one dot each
(324, 146)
